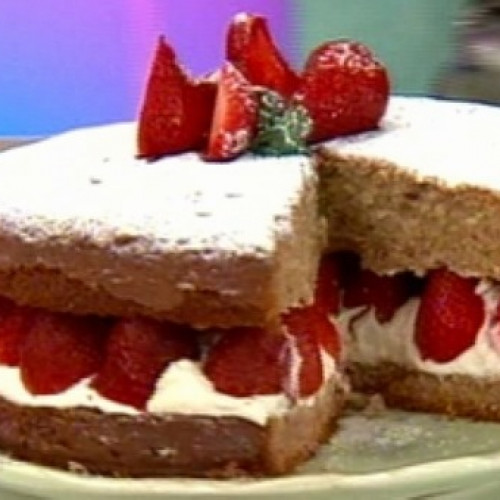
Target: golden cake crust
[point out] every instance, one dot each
(398, 221)
(57, 261)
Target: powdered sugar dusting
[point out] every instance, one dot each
(241, 17)
(88, 184)
(454, 141)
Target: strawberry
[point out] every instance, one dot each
(251, 49)
(176, 111)
(449, 317)
(60, 350)
(345, 89)
(6, 306)
(137, 352)
(302, 324)
(328, 336)
(235, 116)
(15, 324)
(248, 361)
(199, 112)
(327, 294)
(385, 293)
(349, 265)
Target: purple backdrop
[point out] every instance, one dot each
(68, 63)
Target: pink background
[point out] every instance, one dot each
(67, 63)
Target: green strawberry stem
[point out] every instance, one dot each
(283, 127)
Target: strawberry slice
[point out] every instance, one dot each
(345, 89)
(313, 330)
(200, 107)
(302, 324)
(60, 350)
(251, 49)
(449, 317)
(385, 293)
(6, 306)
(248, 361)
(176, 112)
(137, 352)
(327, 295)
(15, 324)
(235, 116)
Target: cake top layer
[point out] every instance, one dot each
(455, 142)
(88, 183)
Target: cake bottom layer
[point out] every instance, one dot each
(90, 441)
(407, 389)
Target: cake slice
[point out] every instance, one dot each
(404, 195)
(207, 251)
(421, 194)
(86, 227)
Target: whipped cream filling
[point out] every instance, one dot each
(370, 342)
(182, 389)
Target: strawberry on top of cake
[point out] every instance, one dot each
(257, 101)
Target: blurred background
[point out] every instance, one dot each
(65, 64)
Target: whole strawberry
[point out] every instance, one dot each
(449, 317)
(345, 89)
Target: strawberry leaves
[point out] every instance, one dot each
(283, 128)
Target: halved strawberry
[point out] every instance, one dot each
(60, 350)
(251, 49)
(199, 113)
(345, 89)
(449, 317)
(176, 112)
(6, 306)
(327, 295)
(15, 323)
(137, 352)
(349, 264)
(386, 294)
(248, 361)
(301, 324)
(235, 116)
